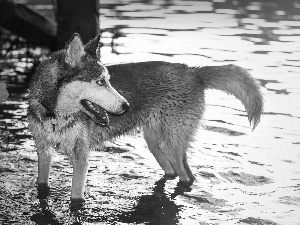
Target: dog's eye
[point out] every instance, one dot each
(101, 82)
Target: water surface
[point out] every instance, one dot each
(243, 177)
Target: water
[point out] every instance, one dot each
(243, 177)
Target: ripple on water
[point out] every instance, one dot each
(245, 179)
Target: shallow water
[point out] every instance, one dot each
(243, 177)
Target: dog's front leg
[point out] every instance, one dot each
(80, 169)
(44, 164)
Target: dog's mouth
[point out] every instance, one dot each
(96, 112)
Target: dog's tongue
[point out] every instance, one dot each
(96, 112)
(101, 115)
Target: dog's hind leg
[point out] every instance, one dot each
(152, 140)
(44, 165)
(174, 137)
(178, 160)
(171, 158)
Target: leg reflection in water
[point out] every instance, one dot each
(44, 215)
(158, 208)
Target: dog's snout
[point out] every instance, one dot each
(125, 106)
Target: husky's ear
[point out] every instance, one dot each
(93, 47)
(74, 50)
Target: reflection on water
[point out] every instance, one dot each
(243, 177)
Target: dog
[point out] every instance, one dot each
(76, 103)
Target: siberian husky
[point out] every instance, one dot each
(76, 103)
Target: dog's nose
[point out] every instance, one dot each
(125, 106)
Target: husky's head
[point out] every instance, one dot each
(86, 87)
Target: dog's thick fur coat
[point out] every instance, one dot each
(166, 100)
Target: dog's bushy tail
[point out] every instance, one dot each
(237, 81)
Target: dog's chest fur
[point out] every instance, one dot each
(69, 136)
